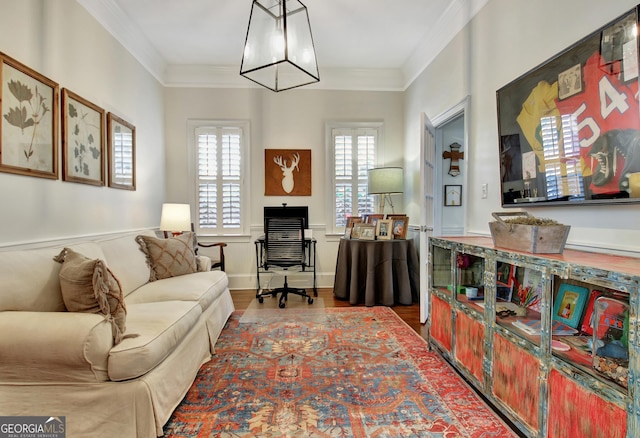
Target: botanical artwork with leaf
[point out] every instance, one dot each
(83, 141)
(27, 121)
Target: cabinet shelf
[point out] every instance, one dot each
(557, 369)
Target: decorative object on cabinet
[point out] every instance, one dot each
(528, 234)
(121, 144)
(532, 282)
(453, 195)
(610, 342)
(287, 172)
(587, 320)
(455, 155)
(505, 280)
(83, 140)
(569, 304)
(400, 227)
(29, 142)
(278, 51)
(385, 181)
(590, 81)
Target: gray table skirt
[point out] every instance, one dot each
(377, 272)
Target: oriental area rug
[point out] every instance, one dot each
(338, 372)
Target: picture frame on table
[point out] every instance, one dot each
(399, 227)
(121, 143)
(30, 115)
(83, 140)
(352, 220)
(356, 231)
(384, 230)
(569, 304)
(367, 232)
(374, 218)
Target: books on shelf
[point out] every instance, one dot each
(534, 327)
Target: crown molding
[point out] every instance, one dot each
(118, 24)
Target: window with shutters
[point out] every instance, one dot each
(220, 157)
(353, 151)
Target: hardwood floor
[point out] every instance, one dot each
(409, 314)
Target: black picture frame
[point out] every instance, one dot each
(569, 129)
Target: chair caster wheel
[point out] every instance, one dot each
(260, 300)
(281, 305)
(310, 300)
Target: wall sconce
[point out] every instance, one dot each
(385, 181)
(175, 219)
(278, 52)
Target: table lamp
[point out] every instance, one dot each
(385, 181)
(175, 218)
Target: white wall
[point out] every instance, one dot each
(61, 41)
(506, 39)
(293, 119)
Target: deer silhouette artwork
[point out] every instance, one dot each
(287, 171)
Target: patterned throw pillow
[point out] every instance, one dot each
(89, 286)
(169, 257)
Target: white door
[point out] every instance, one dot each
(427, 195)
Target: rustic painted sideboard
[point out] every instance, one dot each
(544, 382)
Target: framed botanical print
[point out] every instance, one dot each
(83, 140)
(121, 144)
(29, 123)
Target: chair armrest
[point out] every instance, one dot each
(220, 246)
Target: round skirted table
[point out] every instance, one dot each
(377, 272)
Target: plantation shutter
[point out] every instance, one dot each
(354, 155)
(219, 156)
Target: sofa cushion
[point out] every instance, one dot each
(154, 331)
(126, 261)
(88, 286)
(169, 257)
(203, 287)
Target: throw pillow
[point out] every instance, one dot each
(169, 257)
(89, 286)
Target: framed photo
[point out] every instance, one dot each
(452, 195)
(569, 304)
(577, 82)
(374, 218)
(121, 143)
(83, 140)
(351, 221)
(399, 227)
(384, 230)
(587, 321)
(395, 215)
(367, 232)
(356, 231)
(29, 123)
(347, 233)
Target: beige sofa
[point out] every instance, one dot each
(59, 363)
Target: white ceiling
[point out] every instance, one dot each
(381, 44)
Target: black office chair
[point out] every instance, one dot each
(285, 249)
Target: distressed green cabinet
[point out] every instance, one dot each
(525, 340)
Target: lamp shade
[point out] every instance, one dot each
(175, 217)
(278, 52)
(383, 180)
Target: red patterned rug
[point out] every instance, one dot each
(342, 372)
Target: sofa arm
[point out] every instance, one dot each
(54, 347)
(203, 263)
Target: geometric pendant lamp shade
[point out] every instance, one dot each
(278, 52)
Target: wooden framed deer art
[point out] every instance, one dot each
(287, 172)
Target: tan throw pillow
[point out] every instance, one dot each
(169, 257)
(89, 286)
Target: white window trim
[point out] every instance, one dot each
(331, 229)
(245, 183)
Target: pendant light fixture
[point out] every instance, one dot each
(278, 51)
